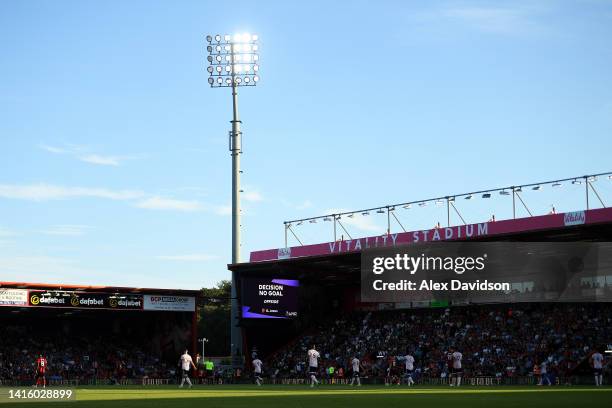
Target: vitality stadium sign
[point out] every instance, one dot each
(453, 233)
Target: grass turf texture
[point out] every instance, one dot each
(332, 396)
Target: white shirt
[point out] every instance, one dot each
(457, 356)
(409, 361)
(355, 364)
(257, 364)
(186, 361)
(313, 358)
(597, 360)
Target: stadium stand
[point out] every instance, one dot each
(501, 341)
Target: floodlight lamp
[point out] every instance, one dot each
(255, 47)
(255, 78)
(228, 80)
(246, 37)
(255, 57)
(218, 58)
(219, 68)
(209, 38)
(209, 58)
(217, 38)
(237, 38)
(536, 188)
(313, 221)
(486, 195)
(209, 48)
(407, 206)
(365, 213)
(219, 80)
(556, 184)
(237, 47)
(422, 204)
(255, 67)
(211, 80)
(468, 197)
(247, 80)
(227, 37)
(238, 80)
(504, 192)
(576, 182)
(255, 37)
(218, 48)
(209, 69)
(380, 211)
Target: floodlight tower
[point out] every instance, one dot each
(234, 62)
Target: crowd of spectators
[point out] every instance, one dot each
(495, 340)
(89, 357)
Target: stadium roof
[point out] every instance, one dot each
(344, 255)
(94, 288)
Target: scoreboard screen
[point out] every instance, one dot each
(269, 298)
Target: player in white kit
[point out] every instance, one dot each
(257, 365)
(313, 365)
(456, 368)
(409, 365)
(186, 363)
(597, 360)
(355, 365)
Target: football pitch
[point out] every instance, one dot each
(332, 396)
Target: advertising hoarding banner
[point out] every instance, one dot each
(169, 303)
(13, 297)
(84, 300)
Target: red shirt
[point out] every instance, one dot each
(41, 364)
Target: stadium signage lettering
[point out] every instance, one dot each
(84, 300)
(437, 234)
(574, 218)
(13, 297)
(169, 303)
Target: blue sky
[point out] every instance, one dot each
(113, 149)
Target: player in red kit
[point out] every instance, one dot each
(41, 369)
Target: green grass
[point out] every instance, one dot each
(334, 396)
